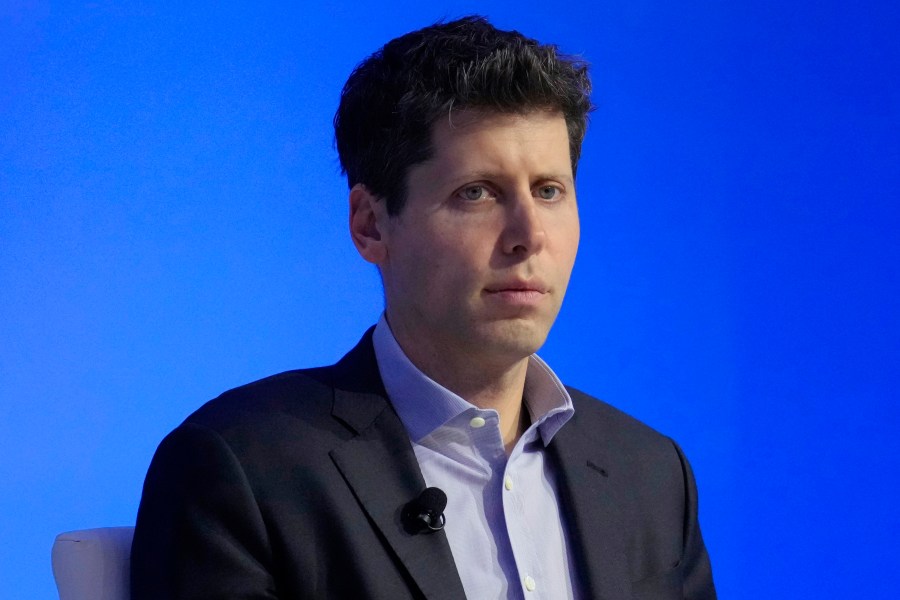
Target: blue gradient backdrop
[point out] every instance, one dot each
(172, 224)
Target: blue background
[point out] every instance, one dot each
(172, 224)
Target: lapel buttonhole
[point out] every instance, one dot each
(600, 470)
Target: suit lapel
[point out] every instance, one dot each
(594, 520)
(381, 469)
(383, 473)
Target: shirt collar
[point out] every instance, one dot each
(424, 405)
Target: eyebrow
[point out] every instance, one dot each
(490, 175)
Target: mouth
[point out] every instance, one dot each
(518, 293)
(516, 286)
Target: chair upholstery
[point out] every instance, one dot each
(93, 564)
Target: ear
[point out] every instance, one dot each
(368, 214)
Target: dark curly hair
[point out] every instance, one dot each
(391, 100)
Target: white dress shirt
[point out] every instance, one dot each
(503, 519)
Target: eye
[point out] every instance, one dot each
(548, 192)
(473, 193)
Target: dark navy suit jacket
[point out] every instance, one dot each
(292, 487)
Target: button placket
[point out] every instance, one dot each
(524, 545)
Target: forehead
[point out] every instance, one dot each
(531, 139)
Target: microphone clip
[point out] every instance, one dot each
(425, 514)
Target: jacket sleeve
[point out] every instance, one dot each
(199, 531)
(696, 571)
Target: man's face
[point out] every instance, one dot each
(479, 258)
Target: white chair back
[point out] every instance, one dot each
(93, 564)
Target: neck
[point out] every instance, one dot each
(488, 383)
(501, 391)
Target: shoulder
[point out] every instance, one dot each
(609, 425)
(299, 412)
(652, 492)
(637, 451)
(298, 394)
(259, 433)
(303, 395)
(228, 440)
(288, 413)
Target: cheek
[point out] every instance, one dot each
(564, 239)
(573, 250)
(444, 260)
(432, 266)
(448, 276)
(572, 236)
(449, 265)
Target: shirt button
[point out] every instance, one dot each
(529, 583)
(507, 483)
(477, 423)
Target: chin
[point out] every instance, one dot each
(516, 339)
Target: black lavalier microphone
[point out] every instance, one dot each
(426, 513)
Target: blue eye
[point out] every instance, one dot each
(548, 192)
(474, 192)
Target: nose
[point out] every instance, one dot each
(524, 232)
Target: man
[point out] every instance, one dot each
(460, 144)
